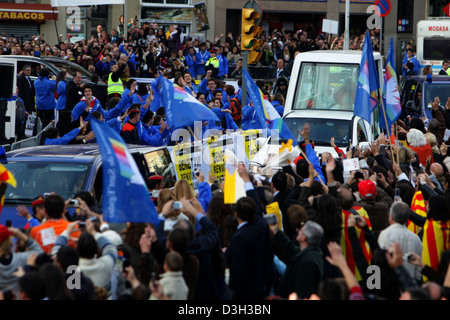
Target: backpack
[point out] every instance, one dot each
(236, 109)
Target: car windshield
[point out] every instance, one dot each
(436, 89)
(34, 178)
(71, 68)
(321, 130)
(326, 86)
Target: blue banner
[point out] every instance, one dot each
(125, 194)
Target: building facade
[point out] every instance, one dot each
(206, 19)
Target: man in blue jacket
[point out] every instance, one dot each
(45, 97)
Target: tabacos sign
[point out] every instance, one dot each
(27, 12)
(5, 15)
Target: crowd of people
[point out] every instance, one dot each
(330, 225)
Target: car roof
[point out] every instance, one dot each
(68, 153)
(422, 78)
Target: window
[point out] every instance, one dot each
(321, 130)
(362, 132)
(435, 8)
(326, 86)
(34, 178)
(436, 49)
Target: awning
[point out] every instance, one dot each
(27, 12)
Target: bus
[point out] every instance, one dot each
(433, 43)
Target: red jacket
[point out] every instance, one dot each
(422, 153)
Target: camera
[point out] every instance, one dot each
(74, 202)
(47, 194)
(397, 193)
(358, 219)
(8, 223)
(155, 193)
(408, 257)
(126, 263)
(82, 225)
(270, 219)
(196, 171)
(177, 205)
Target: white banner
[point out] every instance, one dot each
(72, 3)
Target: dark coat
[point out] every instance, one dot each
(304, 268)
(378, 210)
(27, 93)
(284, 201)
(73, 94)
(211, 277)
(250, 259)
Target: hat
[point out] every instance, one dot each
(38, 201)
(154, 176)
(4, 233)
(212, 51)
(367, 189)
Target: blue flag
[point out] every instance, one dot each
(366, 97)
(180, 107)
(125, 194)
(266, 114)
(391, 95)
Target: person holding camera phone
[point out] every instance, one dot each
(46, 233)
(10, 260)
(98, 267)
(398, 232)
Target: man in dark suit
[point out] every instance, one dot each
(26, 89)
(304, 261)
(445, 65)
(249, 255)
(281, 195)
(74, 89)
(281, 70)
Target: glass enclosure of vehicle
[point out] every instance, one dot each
(435, 89)
(71, 68)
(321, 130)
(34, 178)
(326, 86)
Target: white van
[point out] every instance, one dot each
(8, 95)
(321, 92)
(433, 43)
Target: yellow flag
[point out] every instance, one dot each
(234, 188)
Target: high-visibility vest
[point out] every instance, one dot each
(114, 87)
(214, 61)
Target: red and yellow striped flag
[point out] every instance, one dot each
(436, 239)
(6, 176)
(418, 206)
(346, 244)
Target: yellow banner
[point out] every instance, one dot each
(250, 145)
(183, 161)
(215, 148)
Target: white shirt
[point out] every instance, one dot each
(408, 240)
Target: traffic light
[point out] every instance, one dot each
(254, 56)
(250, 31)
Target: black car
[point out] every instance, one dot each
(56, 65)
(418, 92)
(67, 170)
